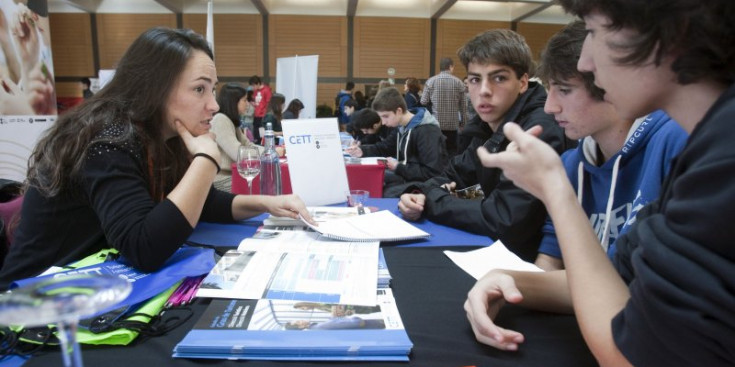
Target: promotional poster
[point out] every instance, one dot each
(27, 96)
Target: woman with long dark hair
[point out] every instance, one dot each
(412, 96)
(293, 110)
(132, 168)
(274, 115)
(232, 100)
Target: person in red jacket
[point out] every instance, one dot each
(262, 94)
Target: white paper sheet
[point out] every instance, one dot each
(371, 160)
(496, 256)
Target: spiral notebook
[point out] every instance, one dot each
(379, 226)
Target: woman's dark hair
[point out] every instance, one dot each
(249, 95)
(276, 105)
(228, 99)
(559, 58)
(700, 34)
(133, 106)
(295, 106)
(413, 85)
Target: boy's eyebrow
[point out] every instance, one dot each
(560, 83)
(491, 73)
(499, 71)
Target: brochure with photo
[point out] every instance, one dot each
(296, 265)
(297, 330)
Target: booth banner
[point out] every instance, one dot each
(296, 77)
(28, 94)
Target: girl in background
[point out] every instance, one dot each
(293, 109)
(412, 96)
(247, 117)
(274, 115)
(233, 103)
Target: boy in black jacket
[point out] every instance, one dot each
(667, 298)
(419, 148)
(498, 65)
(367, 122)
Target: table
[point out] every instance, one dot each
(230, 235)
(430, 291)
(359, 177)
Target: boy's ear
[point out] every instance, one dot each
(524, 82)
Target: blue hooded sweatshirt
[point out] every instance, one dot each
(342, 97)
(634, 176)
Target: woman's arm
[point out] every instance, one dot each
(248, 206)
(191, 192)
(598, 292)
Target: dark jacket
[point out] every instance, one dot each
(419, 147)
(678, 257)
(413, 101)
(507, 213)
(275, 122)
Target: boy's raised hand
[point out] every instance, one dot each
(528, 161)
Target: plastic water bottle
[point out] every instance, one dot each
(242, 122)
(270, 166)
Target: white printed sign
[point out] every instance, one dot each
(315, 161)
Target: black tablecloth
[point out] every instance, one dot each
(430, 291)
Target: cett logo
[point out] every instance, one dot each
(299, 139)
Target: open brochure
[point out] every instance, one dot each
(296, 265)
(318, 213)
(379, 226)
(293, 330)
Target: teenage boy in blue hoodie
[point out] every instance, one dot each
(619, 165)
(339, 104)
(420, 147)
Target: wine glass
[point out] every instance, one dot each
(63, 301)
(248, 164)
